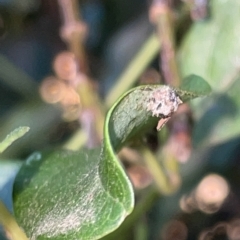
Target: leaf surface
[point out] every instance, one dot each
(211, 50)
(193, 86)
(86, 194)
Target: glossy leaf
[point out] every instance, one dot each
(86, 194)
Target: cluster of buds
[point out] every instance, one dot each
(61, 88)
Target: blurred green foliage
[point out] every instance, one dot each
(209, 48)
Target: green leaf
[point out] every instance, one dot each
(211, 50)
(211, 47)
(61, 196)
(11, 75)
(86, 194)
(193, 86)
(220, 120)
(13, 136)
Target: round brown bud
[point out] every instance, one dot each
(71, 113)
(65, 65)
(52, 90)
(211, 193)
(70, 97)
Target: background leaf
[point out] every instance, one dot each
(13, 136)
(211, 50)
(84, 194)
(193, 86)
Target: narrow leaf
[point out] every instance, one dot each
(13, 136)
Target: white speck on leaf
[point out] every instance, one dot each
(163, 101)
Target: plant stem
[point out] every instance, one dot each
(76, 141)
(171, 167)
(92, 114)
(73, 26)
(10, 225)
(160, 15)
(157, 172)
(134, 69)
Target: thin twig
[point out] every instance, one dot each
(73, 32)
(161, 180)
(10, 225)
(160, 15)
(145, 55)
